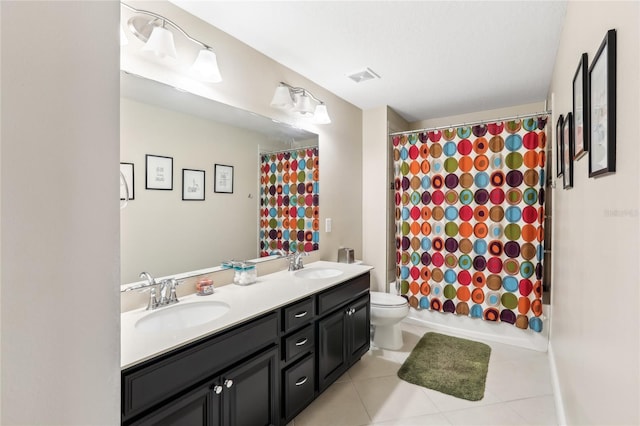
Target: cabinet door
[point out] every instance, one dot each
(250, 395)
(332, 350)
(194, 409)
(359, 329)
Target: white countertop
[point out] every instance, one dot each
(267, 294)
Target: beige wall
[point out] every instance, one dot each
(249, 80)
(60, 320)
(374, 201)
(490, 114)
(595, 299)
(376, 233)
(164, 235)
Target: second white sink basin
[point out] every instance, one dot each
(318, 273)
(182, 315)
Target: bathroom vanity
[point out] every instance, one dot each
(283, 341)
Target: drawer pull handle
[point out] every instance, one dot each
(302, 341)
(301, 381)
(300, 314)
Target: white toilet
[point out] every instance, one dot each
(387, 310)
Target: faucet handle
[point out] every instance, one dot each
(153, 299)
(173, 297)
(299, 257)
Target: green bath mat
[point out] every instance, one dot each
(450, 365)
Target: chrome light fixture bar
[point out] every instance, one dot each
(300, 102)
(155, 31)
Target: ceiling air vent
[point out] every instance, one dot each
(364, 75)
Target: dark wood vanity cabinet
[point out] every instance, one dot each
(231, 378)
(262, 372)
(343, 337)
(246, 395)
(297, 349)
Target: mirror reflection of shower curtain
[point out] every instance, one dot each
(469, 208)
(289, 201)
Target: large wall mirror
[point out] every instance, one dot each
(183, 216)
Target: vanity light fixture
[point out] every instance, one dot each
(300, 102)
(157, 33)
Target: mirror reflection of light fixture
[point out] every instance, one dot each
(300, 102)
(156, 32)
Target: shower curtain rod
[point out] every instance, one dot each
(470, 123)
(290, 149)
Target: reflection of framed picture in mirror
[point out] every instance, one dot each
(602, 108)
(580, 109)
(567, 152)
(127, 172)
(159, 172)
(192, 185)
(223, 179)
(559, 162)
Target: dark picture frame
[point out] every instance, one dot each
(559, 168)
(127, 170)
(223, 179)
(567, 152)
(193, 185)
(602, 108)
(581, 109)
(159, 172)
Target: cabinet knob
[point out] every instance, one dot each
(228, 383)
(302, 380)
(302, 341)
(217, 389)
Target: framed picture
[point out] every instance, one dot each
(602, 108)
(567, 152)
(580, 109)
(192, 185)
(127, 190)
(159, 172)
(559, 151)
(223, 179)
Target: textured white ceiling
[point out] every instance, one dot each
(435, 58)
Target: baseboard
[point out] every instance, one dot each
(557, 394)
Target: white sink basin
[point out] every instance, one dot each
(318, 273)
(182, 316)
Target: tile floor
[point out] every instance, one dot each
(371, 393)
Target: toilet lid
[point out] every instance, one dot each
(386, 299)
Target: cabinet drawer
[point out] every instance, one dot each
(159, 379)
(342, 294)
(297, 314)
(299, 384)
(298, 343)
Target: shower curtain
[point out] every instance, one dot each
(469, 212)
(289, 201)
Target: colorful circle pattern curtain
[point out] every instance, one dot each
(469, 212)
(289, 201)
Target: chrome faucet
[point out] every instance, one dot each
(166, 289)
(295, 260)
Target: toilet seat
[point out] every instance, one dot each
(386, 300)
